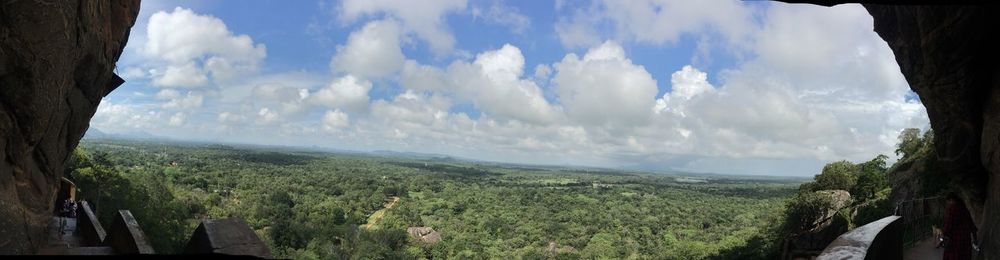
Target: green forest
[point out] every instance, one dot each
(321, 205)
(309, 204)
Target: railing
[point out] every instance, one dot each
(230, 236)
(88, 226)
(920, 216)
(881, 239)
(125, 236)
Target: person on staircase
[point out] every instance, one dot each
(959, 231)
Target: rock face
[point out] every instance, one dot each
(57, 61)
(949, 57)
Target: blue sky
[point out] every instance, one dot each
(708, 86)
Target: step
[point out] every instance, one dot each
(90, 250)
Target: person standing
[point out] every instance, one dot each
(63, 214)
(958, 230)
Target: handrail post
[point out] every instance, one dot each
(88, 225)
(126, 237)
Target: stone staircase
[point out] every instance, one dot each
(70, 241)
(85, 236)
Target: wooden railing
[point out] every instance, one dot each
(880, 239)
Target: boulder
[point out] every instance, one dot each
(424, 234)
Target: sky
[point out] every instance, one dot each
(732, 87)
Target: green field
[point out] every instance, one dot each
(311, 204)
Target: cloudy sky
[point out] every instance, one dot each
(705, 86)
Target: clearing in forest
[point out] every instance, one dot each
(375, 217)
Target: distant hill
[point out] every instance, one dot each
(94, 133)
(421, 156)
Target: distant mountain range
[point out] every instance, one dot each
(94, 134)
(421, 156)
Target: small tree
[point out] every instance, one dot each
(338, 216)
(872, 179)
(909, 143)
(805, 209)
(841, 175)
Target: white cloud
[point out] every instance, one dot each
(189, 101)
(656, 21)
(228, 118)
(492, 82)
(167, 94)
(803, 96)
(605, 88)
(178, 119)
(194, 46)
(372, 52)
(500, 14)
(335, 120)
(266, 116)
(124, 116)
(132, 73)
(685, 84)
(424, 18)
(348, 93)
(186, 75)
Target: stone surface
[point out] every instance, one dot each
(948, 55)
(827, 227)
(57, 60)
(424, 234)
(231, 236)
(126, 237)
(877, 240)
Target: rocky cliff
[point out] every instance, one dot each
(949, 54)
(57, 60)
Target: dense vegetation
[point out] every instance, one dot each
(814, 208)
(313, 204)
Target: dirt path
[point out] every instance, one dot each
(375, 217)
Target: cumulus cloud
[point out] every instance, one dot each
(424, 18)
(500, 14)
(334, 120)
(266, 116)
(685, 84)
(177, 101)
(605, 87)
(229, 118)
(178, 119)
(193, 46)
(656, 21)
(493, 82)
(112, 115)
(186, 75)
(131, 73)
(347, 92)
(803, 97)
(372, 52)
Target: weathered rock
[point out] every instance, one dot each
(827, 227)
(425, 234)
(948, 55)
(57, 60)
(555, 249)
